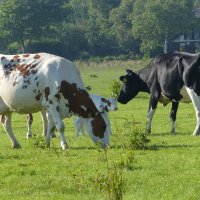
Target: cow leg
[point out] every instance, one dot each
(44, 122)
(59, 126)
(82, 128)
(29, 122)
(152, 108)
(196, 103)
(77, 125)
(173, 115)
(50, 128)
(6, 122)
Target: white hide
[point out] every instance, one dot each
(29, 83)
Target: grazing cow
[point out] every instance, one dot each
(104, 106)
(33, 82)
(168, 78)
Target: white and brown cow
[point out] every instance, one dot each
(104, 106)
(33, 82)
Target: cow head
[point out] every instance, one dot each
(107, 105)
(112, 104)
(130, 88)
(94, 128)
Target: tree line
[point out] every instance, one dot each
(84, 28)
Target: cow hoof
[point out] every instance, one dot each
(16, 146)
(172, 131)
(195, 134)
(29, 136)
(64, 146)
(148, 131)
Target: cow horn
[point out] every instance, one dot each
(129, 71)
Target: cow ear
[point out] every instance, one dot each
(123, 79)
(129, 71)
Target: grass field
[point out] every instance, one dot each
(167, 170)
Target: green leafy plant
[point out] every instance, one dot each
(39, 141)
(111, 183)
(126, 160)
(138, 140)
(115, 87)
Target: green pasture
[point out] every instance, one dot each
(167, 170)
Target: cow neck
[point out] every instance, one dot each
(144, 87)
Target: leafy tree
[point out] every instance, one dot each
(120, 18)
(23, 21)
(98, 33)
(153, 19)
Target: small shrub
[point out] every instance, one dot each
(39, 141)
(111, 183)
(115, 87)
(93, 76)
(138, 139)
(126, 161)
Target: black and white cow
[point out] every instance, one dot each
(168, 78)
(34, 82)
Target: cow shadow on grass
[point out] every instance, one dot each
(175, 146)
(154, 134)
(82, 148)
(165, 145)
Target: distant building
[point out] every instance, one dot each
(189, 41)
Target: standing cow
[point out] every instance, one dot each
(168, 78)
(33, 82)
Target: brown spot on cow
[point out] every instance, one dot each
(57, 108)
(26, 55)
(57, 96)
(23, 71)
(78, 100)
(15, 83)
(36, 56)
(34, 71)
(27, 82)
(106, 108)
(16, 56)
(106, 101)
(33, 66)
(37, 97)
(47, 92)
(97, 127)
(50, 102)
